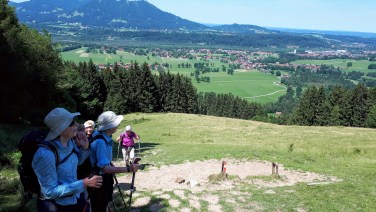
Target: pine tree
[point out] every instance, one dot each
(371, 118)
(149, 95)
(177, 94)
(359, 106)
(117, 99)
(191, 96)
(29, 68)
(322, 110)
(305, 112)
(164, 84)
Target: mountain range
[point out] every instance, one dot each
(118, 15)
(136, 14)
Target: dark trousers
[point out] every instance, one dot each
(100, 197)
(51, 206)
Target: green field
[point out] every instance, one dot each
(251, 85)
(357, 65)
(79, 55)
(348, 154)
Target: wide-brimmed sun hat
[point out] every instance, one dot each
(128, 128)
(108, 120)
(89, 123)
(57, 120)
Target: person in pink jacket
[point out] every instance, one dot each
(126, 140)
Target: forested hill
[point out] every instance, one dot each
(98, 13)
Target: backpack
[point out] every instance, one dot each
(127, 140)
(28, 145)
(85, 169)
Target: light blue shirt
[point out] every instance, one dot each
(101, 150)
(59, 183)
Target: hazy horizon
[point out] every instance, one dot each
(333, 15)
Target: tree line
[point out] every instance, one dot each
(332, 106)
(136, 89)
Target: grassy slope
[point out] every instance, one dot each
(347, 153)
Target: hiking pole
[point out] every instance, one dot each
(121, 193)
(139, 147)
(113, 205)
(118, 150)
(132, 184)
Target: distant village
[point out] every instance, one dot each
(246, 60)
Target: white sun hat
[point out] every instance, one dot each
(57, 120)
(128, 128)
(108, 120)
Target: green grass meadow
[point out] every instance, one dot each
(346, 153)
(251, 85)
(357, 65)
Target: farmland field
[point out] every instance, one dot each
(357, 65)
(251, 85)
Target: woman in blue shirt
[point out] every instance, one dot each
(60, 189)
(101, 157)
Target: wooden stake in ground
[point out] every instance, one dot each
(275, 169)
(224, 168)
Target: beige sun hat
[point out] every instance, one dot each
(89, 123)
(57, 120)
(108, 120)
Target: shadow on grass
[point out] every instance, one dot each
(155, 204)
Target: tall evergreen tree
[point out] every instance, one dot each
(177, 97)
(148, 91)
(346, 110)
(322, 110)
(164, 83)
(30, 71)
(305, 112)
(93, 92)
(359, 106)
(371, 118)
(116, 92)
(191, 95)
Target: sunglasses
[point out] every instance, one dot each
(73, 123)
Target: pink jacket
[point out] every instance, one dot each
(127, 138)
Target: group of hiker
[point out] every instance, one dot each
(60, 187)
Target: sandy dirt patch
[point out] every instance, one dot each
(80, 51)
(196, 175)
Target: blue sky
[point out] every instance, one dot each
(343, 15)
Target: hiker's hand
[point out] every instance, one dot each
(133, 167)
(94, 182)
(81, 140)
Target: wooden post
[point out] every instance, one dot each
(274, 169)
(224, 168)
